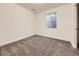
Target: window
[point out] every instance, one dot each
(51, 20)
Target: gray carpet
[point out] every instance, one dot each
(39, 46)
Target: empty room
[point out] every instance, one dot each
(39, 29)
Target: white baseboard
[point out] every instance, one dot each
(17, 39)
(74, 46)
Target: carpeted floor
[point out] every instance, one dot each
(39, 46)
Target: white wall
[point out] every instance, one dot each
(15, 23)
(66, 24)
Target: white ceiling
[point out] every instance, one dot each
(40, 7)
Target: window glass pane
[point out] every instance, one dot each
(51, 20)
